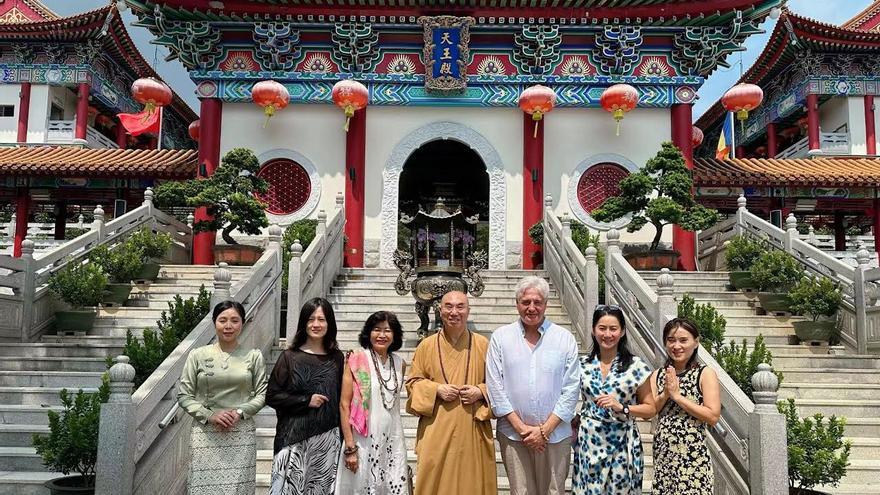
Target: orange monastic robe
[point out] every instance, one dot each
(456, 453)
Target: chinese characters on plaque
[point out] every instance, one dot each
(446, 52)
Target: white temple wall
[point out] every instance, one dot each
(858, 137)
(833, 114)
(37, 118)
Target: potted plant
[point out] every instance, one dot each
(121, 264)
(80, 285)
(536, 234)
(660, 193)
(741, 253)
(72, 443)
(153, 246)
(817, 453)
(775, 273)
(229, 196)
(819, 298)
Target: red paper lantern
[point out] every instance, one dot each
(742, 99)
(270, 95)
(194, 130)
(696, 136)
(619, 99)
(350, 96)
(536, 101)
(152, 93)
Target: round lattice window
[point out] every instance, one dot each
(599, 183)
(289, 186)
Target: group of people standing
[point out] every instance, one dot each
(340, 430)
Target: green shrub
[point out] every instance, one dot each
(817, 453)
(741, 364)
(776, 271)
(536, 233)
(79, 284)
(72, 442)
(742, 252)
(121, 263)
(304, 230)
(711, 324)
(153, 245)
(582, 238)
(71, 233)
(815, 297)
(173, 325)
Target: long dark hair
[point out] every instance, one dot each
(375, 319)
(691, 328)
(305, 313)
(624, 356)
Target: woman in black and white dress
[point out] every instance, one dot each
(304, 390)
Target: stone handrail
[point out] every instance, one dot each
(23, 281)
(749, 442)
(311, 273)
(138, 446)
(859, 314)
(63, 131)
(829, 142)
(568, 270)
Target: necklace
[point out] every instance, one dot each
(467, 368)
(384, 389)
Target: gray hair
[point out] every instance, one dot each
(533, 282)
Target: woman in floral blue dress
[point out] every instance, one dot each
(614, 383)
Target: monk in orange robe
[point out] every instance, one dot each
(447, 390)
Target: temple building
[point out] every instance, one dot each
(811, 148)
(442, 122)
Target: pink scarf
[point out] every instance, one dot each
(359, 413)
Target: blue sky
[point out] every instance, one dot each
(830, 11)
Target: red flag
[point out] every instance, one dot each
(140, 123)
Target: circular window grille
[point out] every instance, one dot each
(289, 186)
(599, 183)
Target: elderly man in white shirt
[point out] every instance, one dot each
(533, 379)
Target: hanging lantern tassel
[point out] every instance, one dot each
(269, 110)
(537, 117)
(349, 113)
(618, 116)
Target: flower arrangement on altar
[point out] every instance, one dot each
(463, 237)
(423, 237)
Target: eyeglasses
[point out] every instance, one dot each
(606, 307)
(382, 330)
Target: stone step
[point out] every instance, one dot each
(864, 447)
(20, 459)
(791, 360)
(57, 379)
(21, 435)
(35, 396)
(486, 273)
(26, 482)
(488, 321)
(832, 376)
(850, 408)
(845, 391)
(28, 414)
(380, 298)
(363, 312)
(862, 471)
(41, 363)
(86, 341)
(200, 270)
(58, 350)
(852, 489)
(862, 427)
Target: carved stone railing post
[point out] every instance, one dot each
(811, 235)
(791, 232)
(860, 300)
(190, 220)
(740, 209)
(10, 227)
(667, 308)
(98, 224)
(340, 201)
(80, 220)
(591, 289)
(768, 445)
(148, 201)
(28, 289)
(566, 226)
(116, 437)
(222, 283)
(275, 234)
(294, 286)
(612, 247)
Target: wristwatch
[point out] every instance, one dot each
(240, 413)
(625, 410)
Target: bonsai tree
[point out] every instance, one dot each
(121, 263)
(79, 284)
(72, 443)
(742, 252)
(816, 297)
(152, 245)
(228, 196)
(667, 177)
(776, 271)
(817, 453)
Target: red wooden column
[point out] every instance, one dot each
(813, 122)
(24, 111)
(82, 111)
(839, 232)
(772, 144)
(22, 209)
(870, 132)
(682, 240)
(210, 113)
(355, 173)
(533, 185)
(121, 136)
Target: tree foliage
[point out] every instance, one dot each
(817, 453)
(660, 193)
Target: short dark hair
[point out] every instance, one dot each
(305, 313)
(690, 327)
(227, 304)
(624, 356)
(376, 318)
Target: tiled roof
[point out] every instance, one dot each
(84, 162)
(866, 20)
(857, 171)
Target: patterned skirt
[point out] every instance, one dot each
(223, 462)
(308, 467)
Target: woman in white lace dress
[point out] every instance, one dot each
(373, 460)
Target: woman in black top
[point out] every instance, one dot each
(304, 390)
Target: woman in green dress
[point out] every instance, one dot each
(222, 387)
(687, 397)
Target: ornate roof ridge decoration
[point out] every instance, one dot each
(16, 15)
(870, 13)
(699, 50)
(355, 46)
(194, 43)
(277, 45)
(618, 48)
(72, 161)
(537, 48)
(816, 172)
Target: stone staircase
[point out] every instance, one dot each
(357, 293)
(32, 374)
(827, 380)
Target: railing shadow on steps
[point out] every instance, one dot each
(144, 440)
(859, 313)
(748, 445)
(24, 281)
